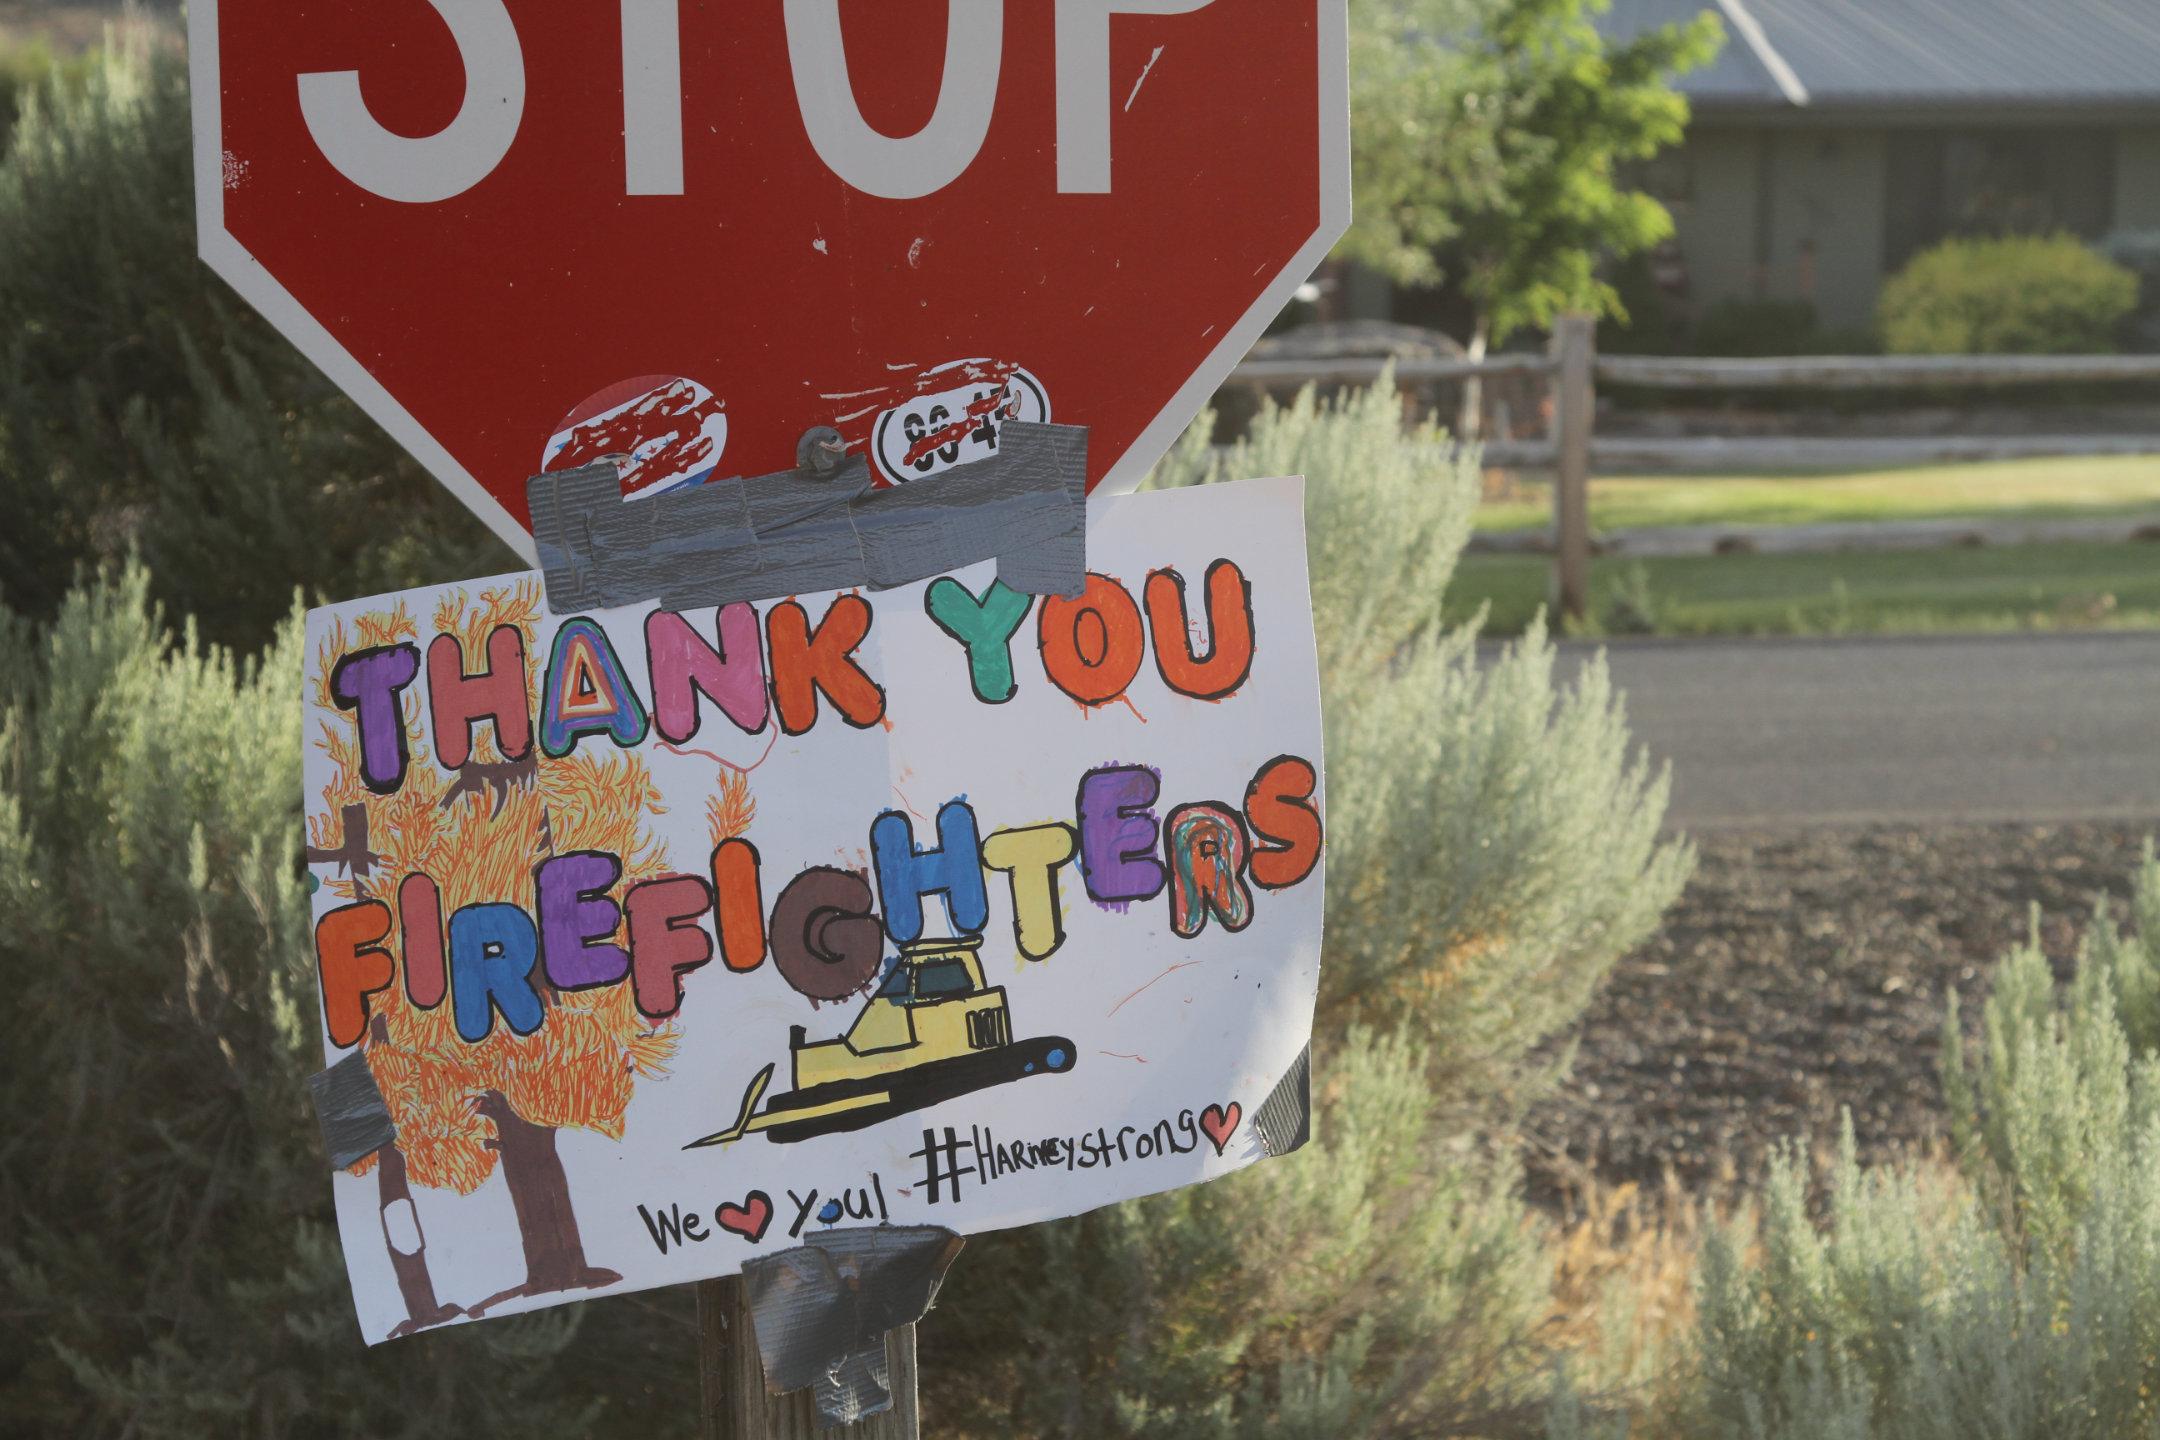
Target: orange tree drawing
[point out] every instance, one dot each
(462, 1110)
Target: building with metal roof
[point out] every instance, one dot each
(1835, 139)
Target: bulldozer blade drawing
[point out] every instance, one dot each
(932, 1031)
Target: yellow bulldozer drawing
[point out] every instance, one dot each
(933, 1029)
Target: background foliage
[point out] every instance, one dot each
(1489, 142)
(145, 408)
(2016, 1295)
(2017, 295)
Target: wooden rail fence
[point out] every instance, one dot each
(1572, 450)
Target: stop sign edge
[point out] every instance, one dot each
(252, 281)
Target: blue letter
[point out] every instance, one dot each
(906, 874)
(492, 952)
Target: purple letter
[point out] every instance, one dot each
(576, 919)
(367, 682)
(1117, 834)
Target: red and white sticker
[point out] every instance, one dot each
(664, 432)
(956, 422)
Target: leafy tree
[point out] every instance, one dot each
(1490, 143)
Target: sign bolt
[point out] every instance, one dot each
(820, 451)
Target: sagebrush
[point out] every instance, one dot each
(145, 408)
(2016, 1295)
(1493, 849)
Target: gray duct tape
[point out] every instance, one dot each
(796, 532)
(561, 503)
(1011, 504)
(355, 1121)
(805, 531)
(1284, 1119)
(1058, 567)
(684, 539)
(820, 1312)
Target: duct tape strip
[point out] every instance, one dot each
(820, 1312)
(804, 529)
(355, 1121)
(798, 532)
(1058, 567)
(1284, 1119)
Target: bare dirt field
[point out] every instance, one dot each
(1804, 971)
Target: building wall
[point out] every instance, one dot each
(1714, 214)
(1786, 214)
(2137, 179)
(1827, 193)
(1791, 213)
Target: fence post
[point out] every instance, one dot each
(733, 1404)
(1574, 350)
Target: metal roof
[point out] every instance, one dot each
(1787, 54)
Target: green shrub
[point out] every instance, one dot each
(144, 406)
(1757, 327)
(1493, 846)
(1379, 1283)
(25, 68)
(1387, 512)
(2020, 295)
(2138, 251)
(1492, 851)
(2017, 1296)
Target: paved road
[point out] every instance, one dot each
(2041, 727)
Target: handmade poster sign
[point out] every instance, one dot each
(672, 938)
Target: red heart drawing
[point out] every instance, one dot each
(1219, 1121)
(748, 1219)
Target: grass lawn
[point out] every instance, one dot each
(2093, 486)
(1993, 588)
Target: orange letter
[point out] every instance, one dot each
(459, 701)
(353, 965)
(1278, 806)
(1230, 628)
(1091, 647)
(741, 904)
(804, 663)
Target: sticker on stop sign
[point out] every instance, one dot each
(928, 434)
(663, 432)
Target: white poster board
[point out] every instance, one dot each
(670, 939)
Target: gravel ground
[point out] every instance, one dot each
(1804, 971)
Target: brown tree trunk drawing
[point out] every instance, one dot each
(540, 1193)
(393, 1188)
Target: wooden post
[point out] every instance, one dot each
(1574, 344)
(733, 1402)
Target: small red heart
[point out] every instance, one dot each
(748, 1219)
(1219, 1121)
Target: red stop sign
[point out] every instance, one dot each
(525, 233)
